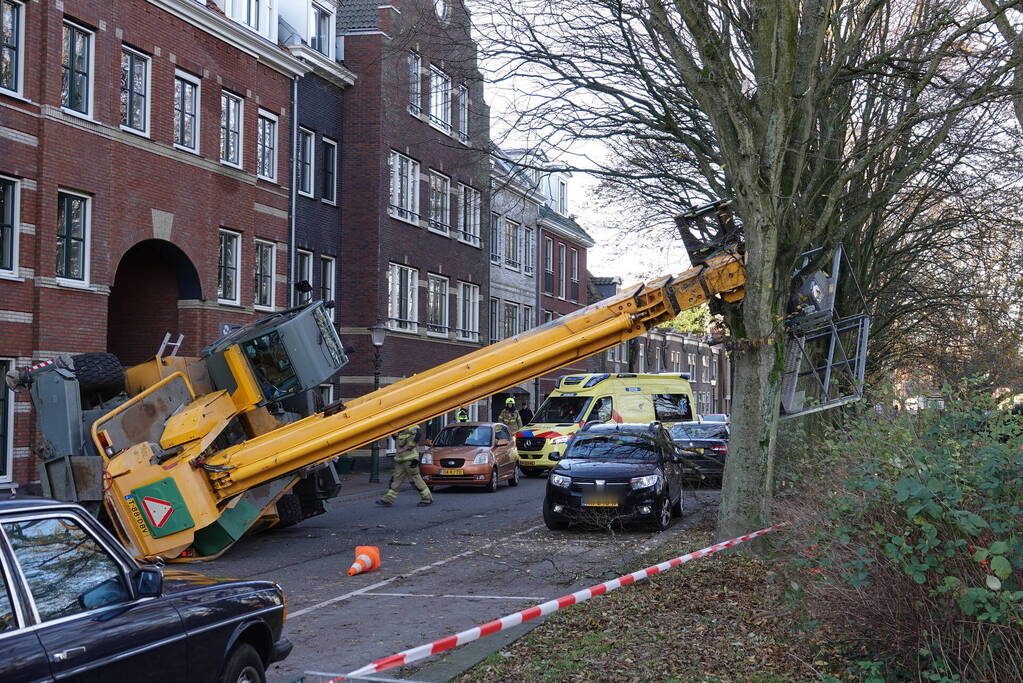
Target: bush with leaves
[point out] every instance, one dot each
(914, 544)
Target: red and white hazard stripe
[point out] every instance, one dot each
(40, 365)
(438, 646)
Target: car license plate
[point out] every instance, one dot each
(453, 473)
(600, 502)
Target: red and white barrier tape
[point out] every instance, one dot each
(438, 646)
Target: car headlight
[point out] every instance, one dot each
(645, 482)
(481, 459)
(561, 481)
(558, 440)
(426, 459)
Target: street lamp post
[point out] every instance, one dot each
(377, 333)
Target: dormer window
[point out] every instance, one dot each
(320, 33)
(258, 15)
(562, 197)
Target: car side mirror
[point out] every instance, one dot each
(502, 442)
(554, 456)
(147, 582)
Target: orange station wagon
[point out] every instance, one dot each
(471, 454)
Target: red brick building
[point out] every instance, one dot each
(144, 153)
(416, 130)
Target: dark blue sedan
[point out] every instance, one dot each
(74, 605)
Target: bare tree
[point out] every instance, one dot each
(812, 115)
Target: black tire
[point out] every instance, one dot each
(676, 508)
(243, 666)
(492, 484)
(514, 481)
(553, 521)
(100, 375)
(289, 510)
(663, 519)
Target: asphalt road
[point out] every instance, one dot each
(469, 558)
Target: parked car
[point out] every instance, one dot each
(471, 454)
(717, 417)
(704, 447)
(616, 472)
(75, 605)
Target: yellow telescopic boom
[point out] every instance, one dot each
(210, 482)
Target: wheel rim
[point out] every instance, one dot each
(665, 513)
(493, 478)
(248, 675)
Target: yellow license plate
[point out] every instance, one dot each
(599, 501)
(452, 472)
(600, 505)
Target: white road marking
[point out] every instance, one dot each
(478, 597)
(381, 584)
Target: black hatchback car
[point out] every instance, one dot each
(616, 472)
(74, 605)
(704, 448)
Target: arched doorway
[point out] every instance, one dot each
(151, 277)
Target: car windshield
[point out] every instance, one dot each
(612, 447)
(699, 431)
(464, 436)
(562, 409)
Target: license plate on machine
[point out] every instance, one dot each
(454, 473)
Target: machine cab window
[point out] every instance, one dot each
(271, 364)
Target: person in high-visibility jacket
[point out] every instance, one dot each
(406, 466)
(461, 415)
(510, 416)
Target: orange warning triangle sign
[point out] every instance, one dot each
(159, 511)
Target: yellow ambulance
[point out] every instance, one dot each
(619, 397)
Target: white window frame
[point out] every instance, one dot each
(303, 271)
(496, 223)
(87, 114)
(527, 321)
(528, 255)
(19, 69)
(439, 218)
(468, 312)
(574, 275)
(445, 323)
(512, 244)
(12, 272)
(415, 79)
(144, 131)
(8, 437)
(470, 206)
(495, 319)
(562, 269)
(562, 197)
(229, 96)
(394, 320)
(440, 100)
(329, 40)
(196, 122)
(548, 264)
(407, 211)
(331, 155)
(83, 282)
(305, 182)
(548, 316)
(273, 275)
(329, 398)
(328, 280)
(463, 113)
(236, 300)
(510, 307)
(265, 20)
(272, 119)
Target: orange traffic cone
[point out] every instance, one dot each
(367, 558)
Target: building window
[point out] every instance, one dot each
(527, 317)
(511, 244)
(6, 422)
(463, 113)
(8, 226)
(548, 316)
(266, 146)
(320, 34)
(440, 203)
(692, 366)
(562, 265)
(469, 215)
(511, 319)
(495, 307)
(186, 112)
(575, 275)
(402, 298)
(11, 37)
(248, 12)
(327, 283)
(228, 266)
(404, 187)
(230, 129)
(72, 236)
(303, 273)
(134, 91)
(415, 84)
(76, 69)
(305, 162)
(495, 239)
(468, 312)
(562, 197)
(329, 169)
(440, 99)
(266, 271)
(437, 304)
(548, 265)
(326, 394)
(528, 247)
